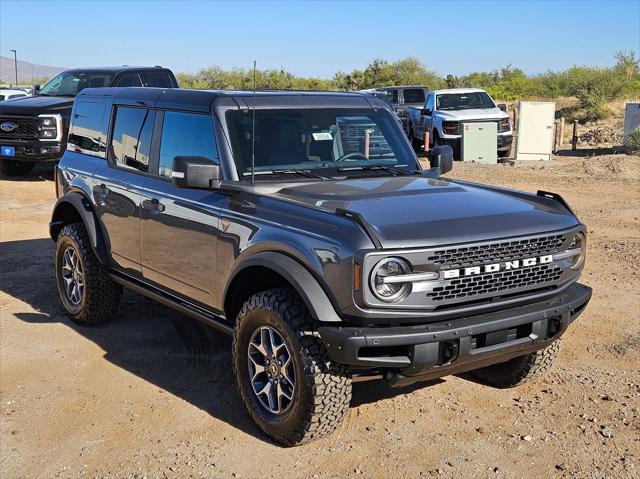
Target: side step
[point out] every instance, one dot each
(207, 317)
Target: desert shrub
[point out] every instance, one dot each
(633, 140)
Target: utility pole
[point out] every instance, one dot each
(15, 64)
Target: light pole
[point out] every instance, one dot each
(15, 64)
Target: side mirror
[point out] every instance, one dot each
(442, 157)
(426, 111)
(502, 106)
(195, 172)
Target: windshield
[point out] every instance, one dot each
(464, 101)
(326, 141)
(71, 83)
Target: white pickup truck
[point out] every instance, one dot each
(445, 111)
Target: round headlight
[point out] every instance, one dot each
(390, 291)
(579, 242)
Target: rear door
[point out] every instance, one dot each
(119, 182)
(179, 227)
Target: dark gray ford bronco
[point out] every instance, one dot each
(303, 224)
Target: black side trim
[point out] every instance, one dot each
(207, 317)
(557, 197)
(358, 218)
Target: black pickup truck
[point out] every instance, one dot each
(304, 225)
(34, 129)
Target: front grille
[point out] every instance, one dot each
(27, 128)
(502, 281)
(464, 256)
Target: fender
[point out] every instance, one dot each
(299, 277)
(84, 209)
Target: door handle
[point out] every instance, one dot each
(101, 192)
(153, 206)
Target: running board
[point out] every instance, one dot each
(174, 302)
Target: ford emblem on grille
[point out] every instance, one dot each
(8, 127)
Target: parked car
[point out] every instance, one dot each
(302, 224)
(384, 96)
(34, 129)
(444, 113)
(405, 96)
(11, 93)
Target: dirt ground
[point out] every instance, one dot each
(129, 399)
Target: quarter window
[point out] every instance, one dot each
(414, 95)
(131, 140)
(158, 79)
(186, 134)
(87, 128)
(129, 79)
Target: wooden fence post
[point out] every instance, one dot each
(574, 139)
(561, 133)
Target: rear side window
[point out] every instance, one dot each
(129, 79)
(157, 79)
(131, 139)
(87, 133)
(414, 95)
(186, 134)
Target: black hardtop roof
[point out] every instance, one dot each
(113, 69)
(201, 99)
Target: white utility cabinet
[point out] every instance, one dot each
(631, 119)
(480, 142)
(535, 130)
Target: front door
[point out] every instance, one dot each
(179, 226)
(119, 182)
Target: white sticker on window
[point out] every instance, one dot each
(322, 136)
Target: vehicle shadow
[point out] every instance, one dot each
(157, 344)
(41, 172)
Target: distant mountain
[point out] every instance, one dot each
(27, 72)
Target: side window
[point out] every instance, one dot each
(129, 79)
(414, 95)
(87, 132)
(159, 79)
(393, 95)
(131, 139)
(186, 134)
(430, 103)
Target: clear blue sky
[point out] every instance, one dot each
(318, 38)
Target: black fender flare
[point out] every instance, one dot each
(305, 284)
(84, 208)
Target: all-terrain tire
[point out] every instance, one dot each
(101, 295)
(519, 370)
(15, 168)
(322, 391)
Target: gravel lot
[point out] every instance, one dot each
(144, 397)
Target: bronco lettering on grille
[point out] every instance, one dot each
(495, 267)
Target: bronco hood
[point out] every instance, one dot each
(420, 212)
(36, 105)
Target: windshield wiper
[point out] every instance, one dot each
(287, 171)
(378, 167)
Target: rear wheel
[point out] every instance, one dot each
(290, 387)
(519, 370)
(15, 167)
(87, 292)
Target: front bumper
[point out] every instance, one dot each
(416, 353)
(504, 140)
(33, 150)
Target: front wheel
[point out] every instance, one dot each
(15, 167)
(289, 385)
